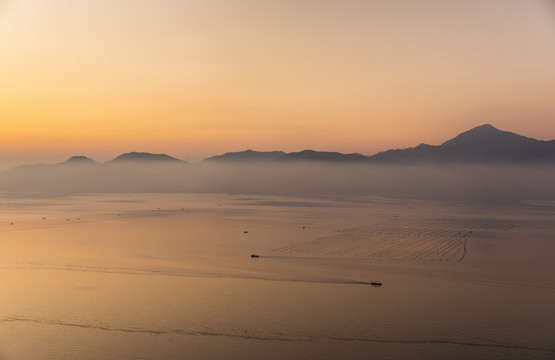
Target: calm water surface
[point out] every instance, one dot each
(169, 276)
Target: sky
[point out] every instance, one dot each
(195, 78)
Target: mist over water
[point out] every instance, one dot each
(469, 182)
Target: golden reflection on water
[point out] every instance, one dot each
(170, 276)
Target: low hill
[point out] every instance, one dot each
(79, 159)
(145, 157)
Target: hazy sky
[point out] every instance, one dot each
(200, 77)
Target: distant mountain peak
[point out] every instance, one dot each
(482, 144)
(488, 133)
(485, 127)
(79, 159)
(145, 157)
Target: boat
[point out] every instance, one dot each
(255, 256)
(376, 283)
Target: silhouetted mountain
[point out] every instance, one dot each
(311, 155)
(316, 172)
(145, 157)
(305, 155)
(247, 155)
(482, 144)
(141, 172)
(488, 134)
(79, 160)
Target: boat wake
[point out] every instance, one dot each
(254, 335)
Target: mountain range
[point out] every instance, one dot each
(482, 144)
(314, 172)
(131, 157)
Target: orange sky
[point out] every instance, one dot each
(201, 77)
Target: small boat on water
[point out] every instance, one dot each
(376, 283)
(255, 256)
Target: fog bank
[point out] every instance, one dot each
(449, 182)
